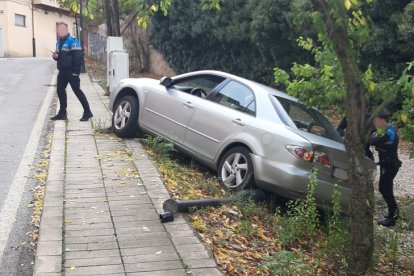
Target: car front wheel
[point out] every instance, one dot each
(236, 169)
(125, 117)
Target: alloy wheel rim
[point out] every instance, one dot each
(234, 170)
(122, 115)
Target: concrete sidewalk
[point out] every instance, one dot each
(102, 201)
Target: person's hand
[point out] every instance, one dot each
(55, 55)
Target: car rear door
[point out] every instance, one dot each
(217, 119)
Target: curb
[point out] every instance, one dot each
(48, 259)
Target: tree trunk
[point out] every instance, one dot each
(113, 27)
(362, 195)
(115, 18)
(108, 18)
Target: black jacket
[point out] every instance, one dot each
(70, 55)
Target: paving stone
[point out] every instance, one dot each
(94, 270)
(155, 257)
(49, 248)
(169, 272)
(205, 272)
(185, 240)
(88, 233)
(194, 255)
(48, 264)
(153, 266)
(50, 234)
(111, 260)
(144, 243)
(190, 247)
(90, 239)
(84, 254)
(200, 263)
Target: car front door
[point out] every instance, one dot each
(167, 111)
(223, 115)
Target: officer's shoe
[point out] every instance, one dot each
(392, 215)
(387, 222)
(59, 117)
(86, 116)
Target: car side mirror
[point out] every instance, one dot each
(166, 81)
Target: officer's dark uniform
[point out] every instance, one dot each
(69, 65)
(387, 147)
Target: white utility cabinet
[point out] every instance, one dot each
(113, 43)
(118, 68)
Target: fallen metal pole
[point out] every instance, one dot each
(172, 206)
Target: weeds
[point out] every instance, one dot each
(159, 147)
(301, 221)
(337, 236)
(100, 126)
(287, 263)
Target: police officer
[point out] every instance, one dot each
(385, 140)
(69, 59)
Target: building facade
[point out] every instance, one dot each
(28, 27)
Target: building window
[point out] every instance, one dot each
(20, 20)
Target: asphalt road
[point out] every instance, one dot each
(24, 84)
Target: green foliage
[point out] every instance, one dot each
(319, 85)
(159, 146)
(301, 222)
(246, 228)
(92, 9)
(337, 233)
(287, 263)
(247, 38)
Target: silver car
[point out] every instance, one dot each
(249, 133)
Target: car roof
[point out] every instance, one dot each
(257, 87)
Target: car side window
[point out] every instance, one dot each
(205, 82)
(236, 96)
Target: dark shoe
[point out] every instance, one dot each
(392, 214)
(387, 222)
(86, 116)
(59, 117)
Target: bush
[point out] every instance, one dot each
(247, 38)
(301, 221)
(287, 263)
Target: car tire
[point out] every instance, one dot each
(235, 169)
(125, 117)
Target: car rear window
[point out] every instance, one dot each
(306, 119)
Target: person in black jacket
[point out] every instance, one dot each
(385, 140)
(68, 55)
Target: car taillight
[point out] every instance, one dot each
(301, 152)
(306, 154)
(322, 159)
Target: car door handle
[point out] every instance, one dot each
(239, 122)
(189, 104)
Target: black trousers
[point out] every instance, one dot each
(386, 186)
(64, 78)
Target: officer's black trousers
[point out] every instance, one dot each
(386, 186)
(62, 82)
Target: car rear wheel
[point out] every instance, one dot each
(236, 169)
(125, 117)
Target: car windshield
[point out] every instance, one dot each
(307, 119)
